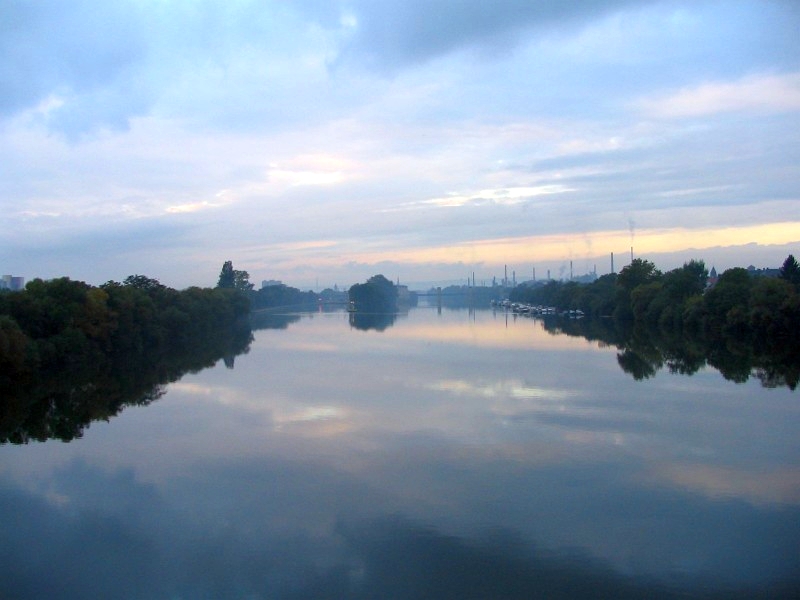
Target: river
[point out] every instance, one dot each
(446, 454)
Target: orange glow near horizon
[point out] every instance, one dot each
(330, 253)
(574, 245)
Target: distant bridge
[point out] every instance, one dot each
(462, 292)
(439, 294)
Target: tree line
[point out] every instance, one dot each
(270, 297)
(742, 325)
(763, 310)
(71, 352)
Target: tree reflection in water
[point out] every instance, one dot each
(644, 351)
(62, 404)
(376, 321)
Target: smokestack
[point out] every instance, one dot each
(631, 253)
(570, 270)
(534, 273)
(612, 262)
(548, 274)
(505, 276)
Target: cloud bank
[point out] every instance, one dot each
(164, 138)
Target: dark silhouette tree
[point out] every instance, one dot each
(378, 294)
(231, 279)
(727, 303)
(790, 271)
(227, 277)
(143, 282)
(241, 281)
(639, 272)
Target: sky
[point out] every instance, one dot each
(320, 142)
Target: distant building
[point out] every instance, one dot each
(712, 278)
(403, 295)
(270, 283)
(10, 282)
(587, 278)
(766, 272)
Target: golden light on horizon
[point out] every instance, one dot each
(586, 245)
(314, 255)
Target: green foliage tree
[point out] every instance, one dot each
(144, 283)
(727, 303)
(378, 294)
(646, 300)
(773, 316)
(281, 296)
(241, 281)
(666, 308)
(741, 323)
(639, 272)
(227, 277)
(790, 271)
(232, 279)
(686, 281)
(13, 350)
(67, 349)
(599, 297)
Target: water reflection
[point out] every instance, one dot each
(282, 529)
(377, 321)
(645, 351)
(61, 405)
(273, 320)
(451, 455)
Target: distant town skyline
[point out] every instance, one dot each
(321, 143)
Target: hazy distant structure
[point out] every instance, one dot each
(586, 278)
(712, 278)
(765, 272)
(270, 283)
(612, 262)
(13, 283)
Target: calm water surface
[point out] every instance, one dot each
(454, 454)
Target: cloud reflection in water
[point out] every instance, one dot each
(413, 466)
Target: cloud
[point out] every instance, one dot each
(759, 93)
(388, 126)
(499, 197)
(274, 527)
(82, 53)
(392, 35)
(105, 63)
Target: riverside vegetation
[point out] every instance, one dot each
(71, 353)
(740, 324)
